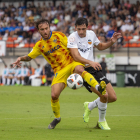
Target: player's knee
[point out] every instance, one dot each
(105, 97)
(79, 69)
(114, 98)
(54, 96)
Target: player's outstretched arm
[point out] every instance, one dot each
(77, 57)
(103, 46)
(22, 58)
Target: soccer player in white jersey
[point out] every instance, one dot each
(11, 75)
(81, 43)
(5, 75)
(37, 73)
(24, 73)
(17, 75)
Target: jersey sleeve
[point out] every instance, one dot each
(72, 42)
(96, 40)
(35, 51)
(64, 40)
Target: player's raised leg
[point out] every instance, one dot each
(56, 89)
(111, 93)
(100, 88)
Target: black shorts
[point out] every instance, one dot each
(98, 75)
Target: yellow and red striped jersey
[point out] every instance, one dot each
(54, 50)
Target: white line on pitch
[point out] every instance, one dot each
(69, 117)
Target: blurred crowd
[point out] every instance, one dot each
(104, 19)
(26, 74)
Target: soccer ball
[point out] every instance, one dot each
(74, 81)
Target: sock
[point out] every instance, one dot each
(3, 80)
(18, 82)
(93, 104)
(89, 79)
(13, 81)
(8, 81)
(102, 110)
(22, 82)
(55, 108)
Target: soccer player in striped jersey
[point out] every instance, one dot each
(53, 47)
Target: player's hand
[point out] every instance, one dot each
(96, 65)
(115, 37)
(17, 63)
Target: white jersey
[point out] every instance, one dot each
(5, 72)
(85, 44)
(38, 71)
(18, 72)
(24, 71)
(11, 71)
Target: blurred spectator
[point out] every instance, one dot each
(108, 20)
(35, 37)
(94, 27)
(67, 17)
(138, 14)
(5, 75)
(110, 33)
(52, 26)
(105, 27)
(100, 6)
(11, 75)
(17, 76)
(28, 12)
(119, 22)
(37, 73)
(1, 12)
(104, 66)
(127, 20)
(130, 27)
(47, 70)
(73, 6)
(24, 75)
(113, 9)
(127, 4)
(124, 29)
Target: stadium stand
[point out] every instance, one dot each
(105, 17)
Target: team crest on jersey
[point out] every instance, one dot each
(71, 39)
(55, 40)
(89, 42)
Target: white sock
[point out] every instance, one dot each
(13, 81)
(8, 81)
(58, 118)
(96, 87)
(3, 80)
(102, 110)
(22, 82)
(18, 82)
(93, 104)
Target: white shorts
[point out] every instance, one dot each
(33, 76)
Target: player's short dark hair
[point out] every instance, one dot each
(81, 21)
(40, 21)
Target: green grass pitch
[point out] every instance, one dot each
(25, 113)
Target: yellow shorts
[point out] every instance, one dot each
(62, 75)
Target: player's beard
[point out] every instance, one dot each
(46, 36)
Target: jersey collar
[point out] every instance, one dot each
(49, 37)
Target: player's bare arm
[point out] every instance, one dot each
(103, 46)
(77, 57)
(22, 58)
